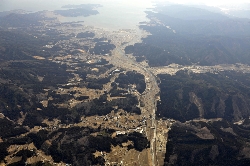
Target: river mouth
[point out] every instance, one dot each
(113, 15)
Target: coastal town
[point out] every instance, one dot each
(108, 93)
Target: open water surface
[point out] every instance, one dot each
(114, 15)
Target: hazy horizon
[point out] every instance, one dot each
(113, 15)
(39, 5)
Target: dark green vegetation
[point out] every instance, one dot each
(20, 20)
(131, 78)
(78, 10)
(26, 82)
(16, 141)
(73, 145)
(188, 96)
(102, 48)
(77, 145)
(187, 35)
(20, 46)
(85, 34)
(181, 35)
(201, 37)
(211, 143)
(21, 90)
(23, 80)
(10, 129)
(102, 107)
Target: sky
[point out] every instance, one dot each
(56, 4)
(210, 2)
(131, 12)
(127, 2)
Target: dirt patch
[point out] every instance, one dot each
(123, 156)
(204, 133)
(39, 57)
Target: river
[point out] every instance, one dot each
(114, 14)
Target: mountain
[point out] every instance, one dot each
(202, 37)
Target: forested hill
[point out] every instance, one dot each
(186, 35)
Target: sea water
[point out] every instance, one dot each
(113, 15)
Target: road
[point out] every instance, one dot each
(149, 97)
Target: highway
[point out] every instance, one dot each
(120, 59)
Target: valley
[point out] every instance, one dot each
(166, 93)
